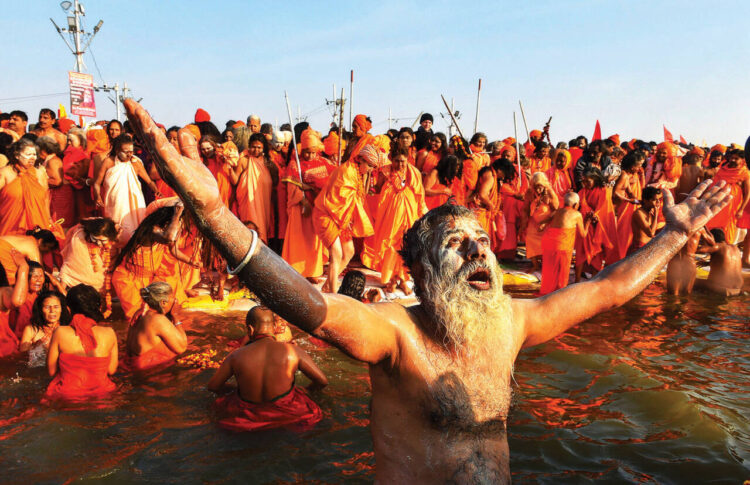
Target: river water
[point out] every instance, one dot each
(657, 391)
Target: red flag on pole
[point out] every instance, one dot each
(667, 135)
(683, 141)
(597, 132)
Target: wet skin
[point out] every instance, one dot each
(435, 416)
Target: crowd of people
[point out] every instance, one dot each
(86, 215)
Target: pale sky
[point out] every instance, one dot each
(634, 65)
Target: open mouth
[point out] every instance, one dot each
(480, 279)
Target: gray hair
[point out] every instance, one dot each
(79, 133)
(155, 293)
(571, 199)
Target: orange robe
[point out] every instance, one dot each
(143, 267)
(367, 139)
(534, 234)
(512, 209)
(726, 219)
(557, 253)
(430, 161)
(470, 175)
(493, 222)
(254, 192)
(625, 211)
(482, 159)
(457, 187)
(8, 339)
(303, 249)
(295, 408)
(281, 193)
(540, 164)
(24, 204)
(7, 261)
(400, 204)
(226, 190)
(339, 210)
(601, 241)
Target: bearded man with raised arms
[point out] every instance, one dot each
(440, 370)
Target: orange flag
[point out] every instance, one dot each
(667, 135)
(683, 141)
(597, 132)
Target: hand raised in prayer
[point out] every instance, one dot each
(703, 203)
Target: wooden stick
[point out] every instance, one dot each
(294, 138)
(524, 120)
(351, 97)
(341, 124)
(453, 118)
(416, 120)
(476, 115)
(518, 152)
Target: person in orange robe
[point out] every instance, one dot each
(666, 166)
(156, 337)
(559, 174)
(405, 140)
(486, 204)
(86, 247)
(535, 137)
(12, 297)
(339, 212)
(627, 196)
(736, 175)
(76, 162)
(266, 396)
(540, 160)
(151, 255)
(512, 192)
(222, 170)
(24, 196)
(255, 187)
(401, 203)
(331, 145)
(428, 158)
(34, 245)
(20, 316)
(477, 145)
(541, 203)
(303, 249)
(279, 161)
(470, 167)
(360, 137)
(600, 243)
(558, 242)
(61, 198)
(83, 354)
(444, 182)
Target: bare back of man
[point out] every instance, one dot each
(681, 270)
(441, 370)
(725, 275)
(692, 175)
(154, 330)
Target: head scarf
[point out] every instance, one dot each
(535, 134)
(615, 138)
(568, 159)
(362, 122)
(202, 115)
(83, 328)
(372, 156)
(511, 151)
(331, 144)
(65, 124)
(97, 141)
(310, 140)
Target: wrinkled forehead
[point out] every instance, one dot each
(466, 225)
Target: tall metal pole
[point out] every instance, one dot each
(351, 97)
(341, 124)
(476, 116)
(117, 100)
(389, 117)
(77, 38)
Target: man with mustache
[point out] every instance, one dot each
(440, 370)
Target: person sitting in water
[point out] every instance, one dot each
(10, 298)
(281, 331)
(725, 275)
(82, 355)
(681, 270)
(353, 286)
(49, 311)
(157, 337)
(265, 369)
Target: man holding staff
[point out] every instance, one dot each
(440, 370)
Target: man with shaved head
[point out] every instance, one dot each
(440, 370)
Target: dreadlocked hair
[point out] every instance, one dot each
(143, 236)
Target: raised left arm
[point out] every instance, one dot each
(544, 318)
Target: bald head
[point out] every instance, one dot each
(571, 199)
(260, 318)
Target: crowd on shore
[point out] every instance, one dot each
(85, 216)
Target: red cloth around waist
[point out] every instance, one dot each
(154, 357)
(294, 409)
(80, 378)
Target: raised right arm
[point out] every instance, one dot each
(277, 284)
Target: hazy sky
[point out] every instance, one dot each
(634, 65)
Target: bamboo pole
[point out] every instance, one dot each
(294, 137)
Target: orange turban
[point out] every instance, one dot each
(509, 141)
(535, 134)
(615, 138)
(362, 122)
(697, 151)
(511, 151)
(719, 148)
(372, 156)
(97, 141)
(331, 144)
(65, 124)
(310, 140)
(194, 131)
(202, 115)
(669, 146)
(383, 143)
(237, 124)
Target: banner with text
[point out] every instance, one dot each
(82, 94)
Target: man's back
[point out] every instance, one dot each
(691, 176)
(726, 270)
(264, 369)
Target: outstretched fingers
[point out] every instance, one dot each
(698, 191)
(164, 154)
(668, 198)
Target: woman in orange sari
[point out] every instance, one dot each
(512, 191)
(600, 243)
(24, 196)
(429, 158)
(627, 198)
(541, 202)
(444, 182)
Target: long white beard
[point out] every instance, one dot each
(472, 320)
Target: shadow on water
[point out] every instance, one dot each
(656, 391)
